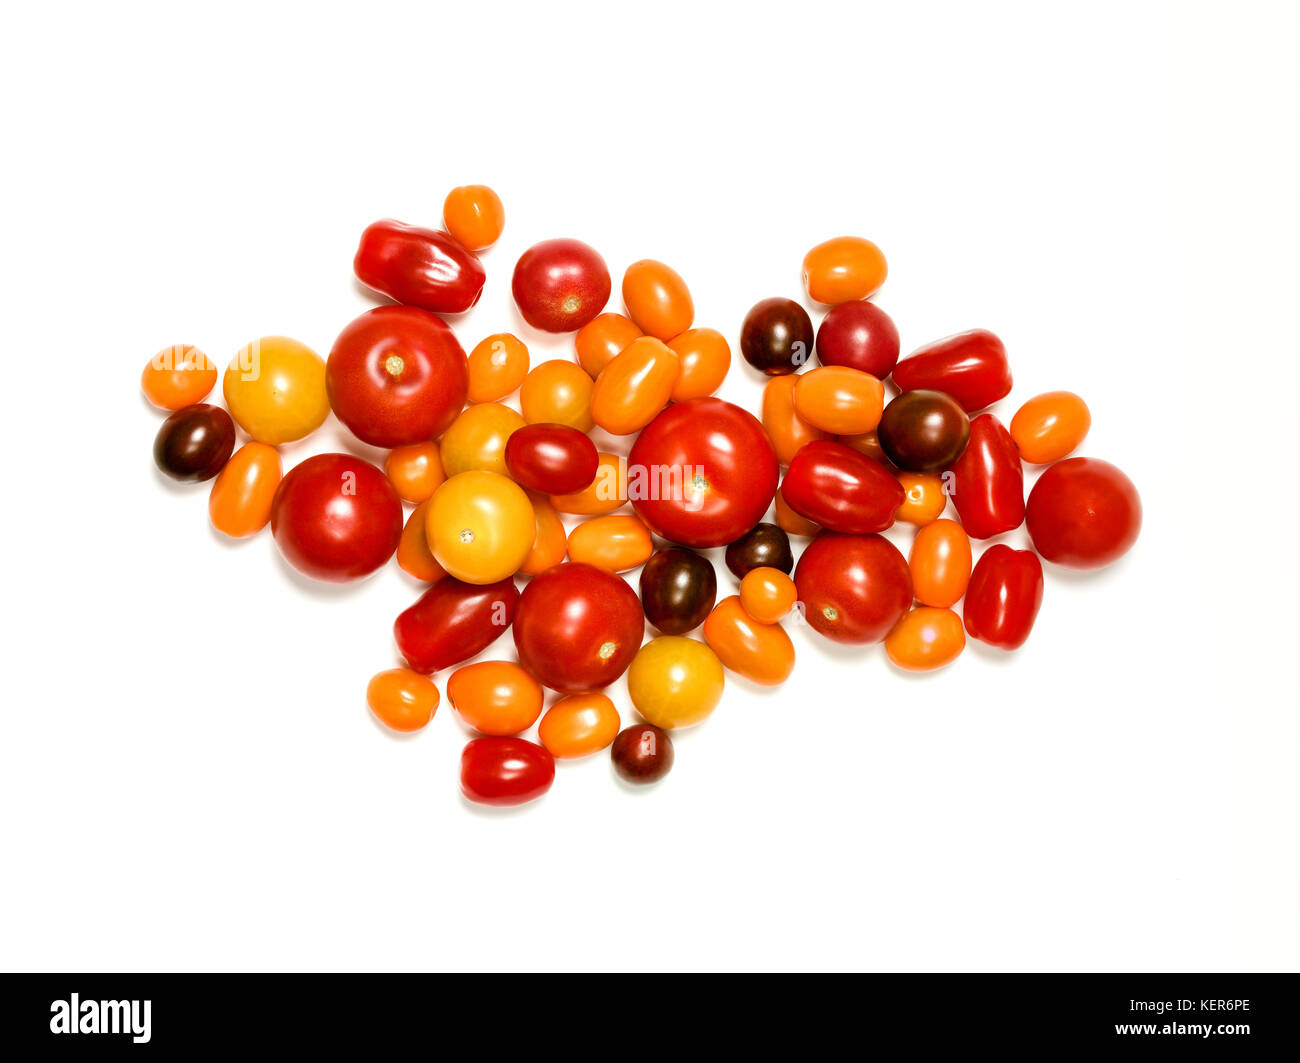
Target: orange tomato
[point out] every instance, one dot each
(657, 299)
(178, 376)
(415, 471)
(1049, 426)
(413, 554)
(762, 653)
(240, 502)
(557, 392)
(924, 497)
(926, 638)
(579, 725)
(606, 493)
(402, 699)
(480, 526)
(767, 594)
(867, 443)
(843, 270)
(705, 358)
(474, 216)
(477, 439)
(497, 367)
(601, 339)
(839, 400)
(634, 387)
(551, 544)
(615, 543)
(940, 561)
(785, 428)
(793, 523)
(495, 697)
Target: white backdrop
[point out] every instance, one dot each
(188, 774)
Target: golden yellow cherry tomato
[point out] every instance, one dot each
(474, 216)
(839, 400)
(606, 493)
(480, 526)
(924, 498)
(705, 357)
(477, 439)
(415, 471)
(495, 697)
(497, 367)
(793, 523)
(843, 269)
(578, 725)
(615, 543)
(785, 428)
(601, 338)
(1049, 426)
(402, 699)
(767, 594)
(675, 681)
(240, 502)
(551, 543)
(557, 392)
(178, 376)
(657, 299)
(413, 554)
(926, 638)
(940, 561)
(275, 390)
(634, 387)
(762, 653)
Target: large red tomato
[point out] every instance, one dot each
(702, 473)
(336, 518)
(853, 588)
(1083, 513)
(396, 376)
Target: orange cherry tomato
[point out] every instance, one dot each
(926, 638)
(1050, 426)
(940, 561)
(606, 493)
(762, 653)
(413, 554)
(614, 543)
(477, 439)
(557, 392)
(767, 594)
(551, 543)
(924, 498)
(480, 526)
(793, 523)
(705, 357)
(497, 367)
(634, 387)
(839, 400)
(240, 502)
(402, 699)
(415, 470)
(495, 697)
(178, 376)
(785, 428)
(601, 339)
(657, 299)
(843, 270)
(579, 725)
(474, 216)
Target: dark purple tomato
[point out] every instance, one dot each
(560, 285)
(763, 546)
(861, 336)
(833, 485)
(923, 431)
(777, 336)
(678, 590)
(642, 753)
(194, 443)
(505, 771)
(453, 621)
(551, 458)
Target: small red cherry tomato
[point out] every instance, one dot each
(419, 267)
(940, 562)
(453, 621)
(988, 481)
(971, 367)
(853, 588)
(505, 771)
(861, 336)
(841, 490)
(560, 285)
(1003, 596)
(552, 458)
(1083, 513)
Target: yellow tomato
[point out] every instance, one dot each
(275, 390)
(477, 439)
(675, 681)
(481, 526)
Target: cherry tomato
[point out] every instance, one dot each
(793, 523)
(606, 492)
(601, 339)
(275, 390)
(578, 726)
(194, 443)
(861, 336)
(477, 439)
(557, 392)
(560, 285)
(923, 431)
(762, 653)
(702, 473)
(768, 595)
(505, 771)
(240, 503)
(413, 554)
(657, 299)
(634, 386)
(481, 526)
(178, 376)
(763, 546)
(551, 543)
(1083, 513)
(925, 639)
(474, 216)
(402, 699)
(419, 267)
(614, 543)
(853, 588)
(988, 481)
(841, 490)
(415, 471)
(678, 589)
(675, 681)
(971, 367)
(776, 336)
(843, 269)
(453, 621)
(940, 562)
(495, 697)
(704, 358)
(787, 431)
(839, 400)
(497, 368)
(551, 458)
(577, 628)
(924, 498)
(642, 753)
(1050, 426)
(1002, 600)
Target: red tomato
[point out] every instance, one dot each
(841, 489)
(1083, 513)
(1003, 596)
(560, 285)
(988, 481)
(702, 473)
(453, 621)
(336, 518)
(861, 336)
(505, 771)
(853, 588)
(419, 267)
(396, 376)
(578, 628)
(971, 367)
(552, 458)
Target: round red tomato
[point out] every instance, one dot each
(577, 628)
(505, 771)
(1083, 513)
(860, 335)
(853, 588)
(560, 285)
(396, 375)
(702, 473)
(552, 458)
(336, 518)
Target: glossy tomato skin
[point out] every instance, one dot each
(397, 376)
(577, 628)
(1003, 596)
(642, 753)
(552, 458)
(505, 771)
(715, 464)
(241, 498)
(453, 621)
(763, 546)
(560, 285)
(194, 443)
(971, 367)
(678, 590)
(842, 490)
(861, 336)
(777, 336)
(419, 267)
(853, 588)
(923, 431)
(1083, 513)
(988, 481)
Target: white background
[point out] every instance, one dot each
(189, 777)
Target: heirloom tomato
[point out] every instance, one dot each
(601, 339)
(761, 653)
(178, 376)
(481, 526)
(194, 443)
(497, 367)
(925, 639)
(861, 336)
(1049, 427)
(474, 216)
(940, 562)
(402, 699)
(776, 336)
(704, 357)
(578, 725)
(923, 431)
(275, 390)
(678, 589)
(642, 753)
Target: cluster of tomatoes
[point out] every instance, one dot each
(490, 487)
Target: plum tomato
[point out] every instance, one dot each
(601, 339)
(240, 503)
(634, 386)
(768, 595)
(841, 490)
(787, 431)
(474, 216)
(552, 458)
(424, 268)
(1050, 426)
(940, 562)
(675, 681)
(853, 588)
(763, 546)
(606, 492)
(843, 269)
(497, 367)
(923, 431)
(453, 621)
(275, 390)
(557, 392)
(1083, 513)
(415, 471)
(402, 699)
(551, 543)
(761, 653)
(178, 376)
(480, 526)
(657, 299)
(839, 400)
(776, 336)
(678, 589)
(861, 336)
(505, 771)
(477, 439)
(1003, 597)
(925, 639)
(495, 697)
(194, 443)
(924, 498)
(642, 753)
(615, 542)
(413, 554)
(704, 357)
(560, 285)
(971, 367)
(578, 726)
(988, 481)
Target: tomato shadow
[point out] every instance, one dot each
(318, 589)
(177, 487)
(497, 811)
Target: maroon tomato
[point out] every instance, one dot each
(453, 621)
(505, 771)
(853, 588)
(988, 481)
(551, 458)
(577, 628)
(420, 267)
(1083, 513)
(859, 335)
(702, 473)
(777, 336)
(560, 285)
(971, 367)
(397, 376)
(1003, 596)
(841, 489)
(336, 518)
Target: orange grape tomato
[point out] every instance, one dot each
(657, 299)
(413, 554)
(1050, 426)
(767, 594)
(178, 376)
(415, 471)
(793, 523)
(601, 338)
(615, 543)
(275, 390)
(762, 653)
(785, 428)
(480, 526)
(839, 400)
(477, 439)
(557, 392)
(402, 699)
(495, 697)
(843, 270)
(606, 493)
(551, 543)
(634, 387)
(926, 638)
(497, 367)
(705, 358)
(242, 493)
(924, 497)
(579, 725)
(940, 561)
(474, 216)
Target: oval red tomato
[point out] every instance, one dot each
(988, 481)
(1083, 513)
(841, 489)
(1003, 596)
(971, 367)
(419, 267)
(505, 771)
(853, 588)
(552, 458)
(452, 621)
